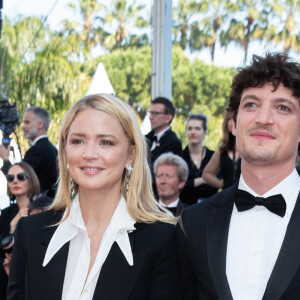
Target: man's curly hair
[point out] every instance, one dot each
(275, 68)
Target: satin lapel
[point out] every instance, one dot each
(117, 278)
(218, 221)
(288, 261)
(48, 279)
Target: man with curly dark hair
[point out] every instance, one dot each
(243, 243)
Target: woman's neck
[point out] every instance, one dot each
(195, 148)
(22, 201)
(97, 207)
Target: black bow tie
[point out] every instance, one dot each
(244, 201)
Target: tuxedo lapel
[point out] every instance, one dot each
(117, 278)
(288, 261)
(218, 220)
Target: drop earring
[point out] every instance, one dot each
(128, 174)
(73, 195)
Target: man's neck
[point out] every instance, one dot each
(160, 130)
(263, 178)
(38, 137)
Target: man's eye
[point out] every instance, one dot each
(250, 104)
(283, 107)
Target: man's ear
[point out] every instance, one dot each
(169, 118)
(181, 185)
(233, 127)
(40, 124)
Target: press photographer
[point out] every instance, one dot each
(42, 155)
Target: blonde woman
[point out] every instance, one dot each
(105, 237)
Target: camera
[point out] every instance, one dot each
(9, 118)
(7, 242)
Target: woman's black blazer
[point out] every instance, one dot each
(154, 275)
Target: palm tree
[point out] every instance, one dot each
(89, 10)
(251, 18)
(122, 13)
(286, 32)
(206, 32)
(182, 15)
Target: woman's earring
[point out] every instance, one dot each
(128, 174)
(73, 195)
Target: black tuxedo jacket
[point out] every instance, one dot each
(203, 252)
(169, 142)
(154, 275)
(43, 159)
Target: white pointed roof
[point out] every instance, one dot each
(100, 82)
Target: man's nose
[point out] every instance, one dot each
(264, 115)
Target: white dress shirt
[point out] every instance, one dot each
(173, 204)
(38, 138)
(76, 283)
(158, 136)
(254, 241)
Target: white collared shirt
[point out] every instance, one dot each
(159, 135)
(76, 283)
(254, 241)
(173, 204)
(38, 138)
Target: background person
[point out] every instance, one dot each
(171, 173)
(196, 155)
(226, 160)
(22, 184)
(161, 139)
(104, 195)
(42, 155)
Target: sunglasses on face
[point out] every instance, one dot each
(20, 177)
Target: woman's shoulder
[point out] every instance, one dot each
(41, 220)
(208, 152)
(157, 233)
(9, 209)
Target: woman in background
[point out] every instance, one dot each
(225, 160)
(105, 236)
(22, 184)
(196, 156)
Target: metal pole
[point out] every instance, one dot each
(161, 79)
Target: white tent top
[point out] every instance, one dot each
(100, 82)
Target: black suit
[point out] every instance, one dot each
(203, 252)
(42, 157)
(154, 275)
(169, 142)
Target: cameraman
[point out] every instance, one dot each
(42, 155)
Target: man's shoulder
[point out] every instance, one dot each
(171, 138)
(197, 211)
(170, 134)
(43, 143)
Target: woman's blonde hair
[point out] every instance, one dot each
(141, 204)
